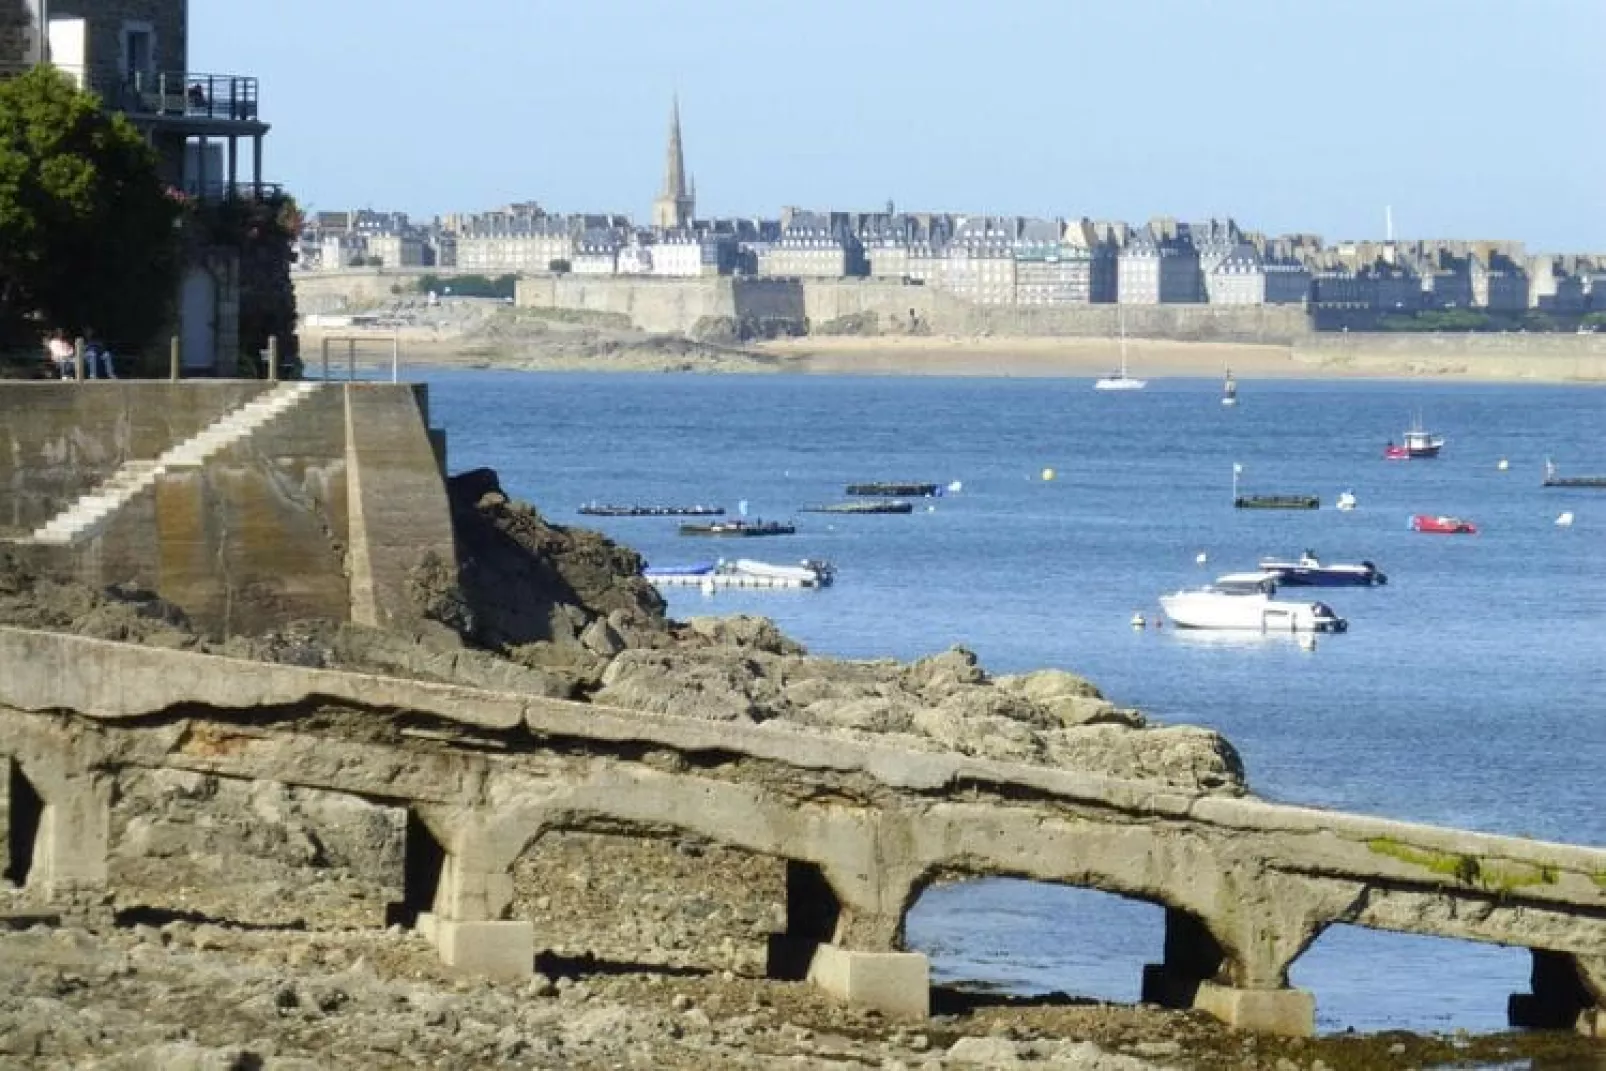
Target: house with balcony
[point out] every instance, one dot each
(206, 129)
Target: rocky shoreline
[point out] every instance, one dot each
(251, 919)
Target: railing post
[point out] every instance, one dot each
(395, 358)
(325, 347)
(273, 358)
(78, 359)
(173, 364)
(351, 360)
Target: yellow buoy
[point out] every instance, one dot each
(1048, 474)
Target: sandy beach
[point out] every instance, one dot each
(509, 342)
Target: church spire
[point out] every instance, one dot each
(677, 202)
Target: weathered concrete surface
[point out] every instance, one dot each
(1249, 884)
(258, 536)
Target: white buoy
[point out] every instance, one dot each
(1346, 501)
(956, 487)
(1307, 641)
(1048, 474)
(1138, 621)
(1504, 465)
(1565, 520)
(1200, 558)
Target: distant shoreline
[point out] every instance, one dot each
(999, 356)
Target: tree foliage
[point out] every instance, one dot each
(87, 233)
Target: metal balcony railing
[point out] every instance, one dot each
(166, 94)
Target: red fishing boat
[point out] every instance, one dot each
(1416, 443)
(1424, 522)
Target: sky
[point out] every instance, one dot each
(1466, 118)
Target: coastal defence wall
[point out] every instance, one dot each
(318, 513)
(674, 306)
(1509, 355)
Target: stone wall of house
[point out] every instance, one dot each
(168, 20)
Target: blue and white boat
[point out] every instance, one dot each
(1309, 571)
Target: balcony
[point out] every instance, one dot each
(219, 105)
(209, 103)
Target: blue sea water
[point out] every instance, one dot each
(1470, 691)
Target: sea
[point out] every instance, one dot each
(1469, 691)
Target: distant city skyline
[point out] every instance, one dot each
(1470, 119)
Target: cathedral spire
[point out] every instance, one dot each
(677, 202)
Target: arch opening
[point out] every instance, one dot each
(1009, 937)
(423, 861)
(1375, 980)
(24, 813)
(653, 898)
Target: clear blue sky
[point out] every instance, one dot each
(1472, 118)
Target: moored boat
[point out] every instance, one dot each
(1554, 480)
(1310, 571)
(738, 528)
(895, 490)
(744, 573)
(1229, 390)
(1277, 502)
(1415, 443)
(881, 505)
(593, 509)
(1244, 601)
(1442, 525)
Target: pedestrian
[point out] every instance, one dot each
(95, 353)
(61, 353)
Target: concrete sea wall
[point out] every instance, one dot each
(320, 512)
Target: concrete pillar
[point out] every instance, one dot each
(1195, 975)
(469, 924)
(74, 834)
(893, 983)
(1569, 993)
(844, 937)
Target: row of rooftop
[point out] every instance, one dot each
(988, 259)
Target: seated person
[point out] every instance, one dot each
(97, 358)
(61, 354)
(197, 97)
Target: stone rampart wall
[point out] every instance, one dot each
(676, 305)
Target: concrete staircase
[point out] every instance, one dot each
(91, 512)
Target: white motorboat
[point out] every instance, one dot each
(1244, 601)
(1229, 390)
(744, 573)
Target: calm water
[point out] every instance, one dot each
(1469, 691)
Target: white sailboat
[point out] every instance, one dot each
(1120, 380)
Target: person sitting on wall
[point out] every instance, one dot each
(197, 97)
(97, 355)
(61, 353)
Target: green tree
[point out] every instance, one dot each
(87, 227)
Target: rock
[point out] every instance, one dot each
(937, 676)
(985, 1052)
(600, 637)
(742, 630)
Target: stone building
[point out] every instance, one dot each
(817, 245)
(1499, 283)
(1158, 268)
(495, 245)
